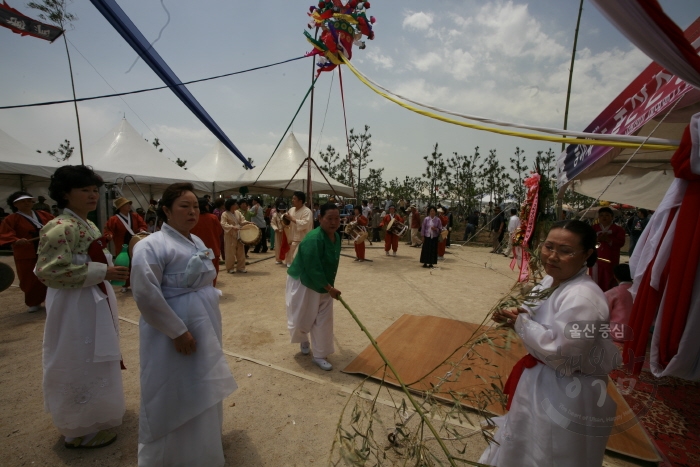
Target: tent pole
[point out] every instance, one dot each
(568, 95)
(309, 192)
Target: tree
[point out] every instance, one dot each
(494, 180)
(545, 165)
(373, 185)
(436, 175)
(63, 153)
(335, 165)
(518, 166)
(181, 163)
(56, 12)
(360, 147)
(463, 182)
(410, 188)
(156, 143)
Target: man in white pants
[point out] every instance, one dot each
(301, 222)
(310, 291)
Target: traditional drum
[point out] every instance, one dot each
(357, 232)
(135, 239)
(250, 235)
(397, 228)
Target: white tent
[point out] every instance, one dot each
(123, 152)
(219, 167)
(23, 168)
(277, 177)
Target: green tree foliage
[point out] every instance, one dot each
(463, 183)
(519, 168)
(436, 176)
(410, 188)
(335, 165)
(54, 11)
(495, 181)
(372, 186)
(360, 147)
(250, 161)
(181, 163)
(63, 153)
(156, 143)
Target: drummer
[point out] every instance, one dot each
(122, 226)
(362, 221)
(391, 241)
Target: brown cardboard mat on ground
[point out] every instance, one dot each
(417, 346)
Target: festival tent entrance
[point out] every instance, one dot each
(219, 167)
(656, 103)
(287, 171)
(123, 155)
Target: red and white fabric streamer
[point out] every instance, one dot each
(646, 25)
(521, 257)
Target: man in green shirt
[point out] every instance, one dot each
(310, 291)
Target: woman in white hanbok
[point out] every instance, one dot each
(559, 412)
(82, 372)
(184, 373)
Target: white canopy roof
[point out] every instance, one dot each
(280, 173)
(218, 166)
(16, 158)
(124, 152)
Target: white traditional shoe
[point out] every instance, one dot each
(125, 289)
(305, 348)
(323, 364)
(33, 309)
(387, 253)
(394, 253)
(278, 262)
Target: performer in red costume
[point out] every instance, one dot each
(391, 241)
(442, 243)
(611, 238)
(209, 229)
(21, 229)
(122, 226)
(361, 221)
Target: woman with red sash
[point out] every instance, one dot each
(21, 229)
(81, 357)
(122, 226)
(558, 409)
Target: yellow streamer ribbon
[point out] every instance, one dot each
(553, 139)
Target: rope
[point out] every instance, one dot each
(313, 83)
(555, 139)
(347, 139)
(323, 125)
(104, 96)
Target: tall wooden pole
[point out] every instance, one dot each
(309, 191)
(568, 94)
(75, 104)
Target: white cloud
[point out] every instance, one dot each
(420, 20)
(375, 56)
(427, 62)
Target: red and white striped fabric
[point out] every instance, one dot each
(646, 25)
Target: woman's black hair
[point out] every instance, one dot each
(230, 202)
(358, 208)
(11, 199)
(68, 177)
(644, 212)
(622, 272)
(606, 209)
(219, 202)
(170, 194)
(429, 208)
(203, 205)
(327, 207)
(586, 235)
(300, 196)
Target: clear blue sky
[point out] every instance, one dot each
(500, 59)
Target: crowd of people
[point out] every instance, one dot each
(178, 242)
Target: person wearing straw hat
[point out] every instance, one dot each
(123, 225)
(21, 229)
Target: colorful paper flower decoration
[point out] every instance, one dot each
(342, 26)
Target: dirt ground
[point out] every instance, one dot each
(286, 409)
